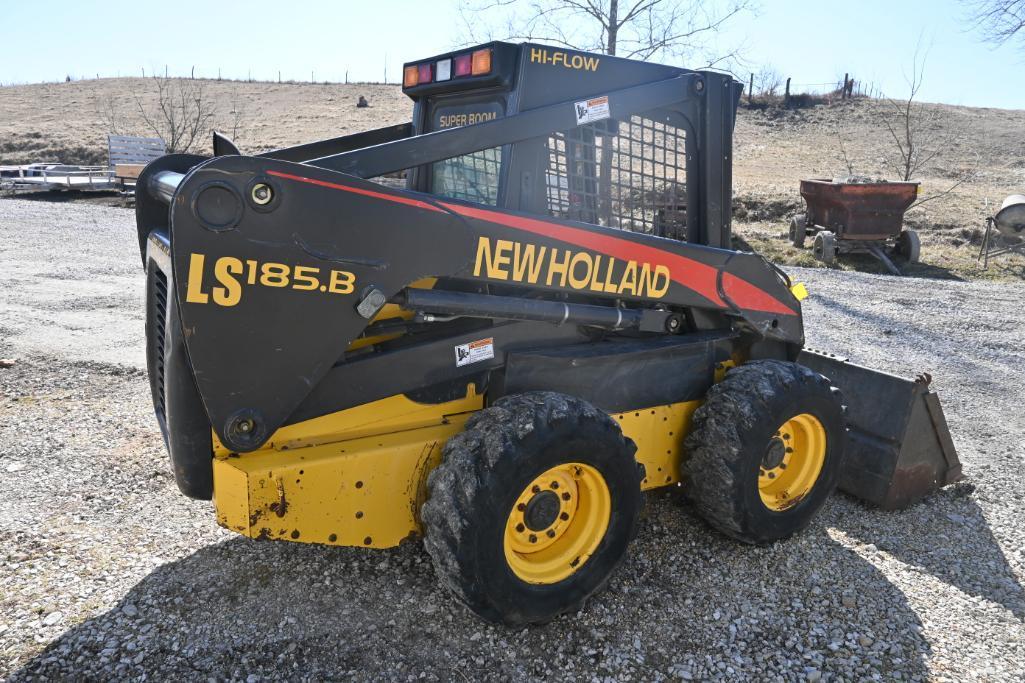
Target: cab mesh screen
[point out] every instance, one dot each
(622, 174)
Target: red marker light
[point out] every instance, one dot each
(462, 65)
(424, 74)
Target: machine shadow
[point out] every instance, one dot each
(959, 548)
(285, 610)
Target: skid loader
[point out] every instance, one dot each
(496, 326)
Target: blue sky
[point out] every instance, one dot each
(811, 41)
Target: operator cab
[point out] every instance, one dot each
(630, 174)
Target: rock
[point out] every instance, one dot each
(52, 619)
(849, 601)
(129, 610)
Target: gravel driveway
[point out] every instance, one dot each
(106, 571)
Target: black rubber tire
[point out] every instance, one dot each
(483, 470)
(824, 247)
(728, 436)
(909, 246)
(798, 230)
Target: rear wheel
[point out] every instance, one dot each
(798, 230)
(765, 450)
(532, 508)
(825, 247)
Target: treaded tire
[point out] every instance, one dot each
(483, 470)
(728, 438)
(798, 230)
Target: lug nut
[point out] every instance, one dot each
(521, 507)
(520, 528)
(262, 194)
(551, 533)
(565, 495)
(536, 489)
(564, 516)
(533, 538)
(555, 484)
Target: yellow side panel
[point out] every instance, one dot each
(358, 492)
(658, 433)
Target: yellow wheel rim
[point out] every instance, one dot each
(792, 462)
(557, 522)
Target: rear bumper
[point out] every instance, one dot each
(176, 401)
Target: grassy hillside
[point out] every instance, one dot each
(774, 148)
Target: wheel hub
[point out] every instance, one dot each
(774, 454)
(557, 522)
(792, 462)
(542, 511)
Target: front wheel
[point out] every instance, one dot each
(532, 508)
(765, 450)
(909, 246)
(825, 247)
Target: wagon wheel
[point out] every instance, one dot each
(825, 247)
(909, 246)
(798, 230)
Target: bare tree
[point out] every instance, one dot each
(919, 134)
(112, 117)
(182, 115)
(638, 29)
(238, 120)
(767, 81)
(1000, 20)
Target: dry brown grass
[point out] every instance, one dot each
(774, 148)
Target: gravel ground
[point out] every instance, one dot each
(108, 573)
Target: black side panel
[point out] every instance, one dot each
(622, 375)
(190, 442)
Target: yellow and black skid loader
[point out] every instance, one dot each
(496, 326)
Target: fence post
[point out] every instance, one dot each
(279, 76)
(786, 95)
(750, 88)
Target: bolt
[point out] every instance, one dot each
(245, 426)
(521, 507)
(565, 495)
(772, 475)
(789, 449)
(555, 484)
(551, 533)
(533, 538)
(520, 528)
(536, 489)
(564, 516)
(262, 194)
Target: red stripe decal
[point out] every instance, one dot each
(358, 190)
(694, 275)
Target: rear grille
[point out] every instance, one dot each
(158, 304)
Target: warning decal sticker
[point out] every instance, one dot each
(592, 110)
(475, 352)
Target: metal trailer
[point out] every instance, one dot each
(857, 217)
(502, 356)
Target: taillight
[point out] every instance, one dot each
(463, 65)
(481, 62)
(443, 70)
(424, 74)
(409, 77)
